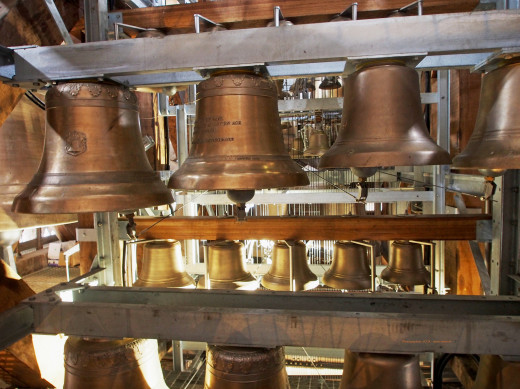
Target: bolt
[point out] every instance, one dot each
(99, 224)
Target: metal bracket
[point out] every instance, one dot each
(497, 59)
(410, 60)
(86, 235)
(484, 230)
(113, 19)
(197, 19)
(416, 4)
(350, 12)
(7, 70)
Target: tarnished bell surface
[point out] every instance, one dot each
(245, 368)
(376, 371)
(237, 141)
(226, 267)
(494, 372)
(349, 268)
(318, 144)
(382, 122)
(114, 364)
(21, 148)
(495, 142)
(278, 275)
(406, 265)
(93, 159)
(163, 266)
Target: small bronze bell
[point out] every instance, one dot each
(382, 122)
(226, 267)
(349, 269)
(278, 276)
(237, 142)
(114, 364)
(495, 143)
(318, 144)
(93, 159)
(330, 82)
(406, 266)
(494, 372)
(376, 371)
(245, 368)
(21, 148)
(163, 266)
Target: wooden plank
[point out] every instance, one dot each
(438, 227)
(244, 14)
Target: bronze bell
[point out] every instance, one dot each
(21, 148)
(245, 368)
(382, 122)
(494, 372)
(495, 143)
(406, 266)
(115, 364)
(237, 142)
(93, 159)
(375, 371)
(349, 269)
(226, 267)
(278, 275)
(318, 144)
(163, 266)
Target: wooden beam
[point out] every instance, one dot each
(437, 227)
(247, 14)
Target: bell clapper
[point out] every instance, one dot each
(240, 198)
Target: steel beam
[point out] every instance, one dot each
(360, 322)
(324, 42)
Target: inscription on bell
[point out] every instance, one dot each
(209, 125)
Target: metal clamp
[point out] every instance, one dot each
(198, 17)
(350, 12)
(413, 5)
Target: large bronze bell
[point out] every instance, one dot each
(382, 122)
(495, 142)
(93, 159)
(349, 268)
(114, 364)
(237, 142)
(375, 371)
(21, 148)
(245, 368)
(318, 144)
(163, 266)
(406, 266)
(278, 275)
(226, 267)
(494, 372)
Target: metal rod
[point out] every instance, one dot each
(205, 250)
(59, 22)
(372, 262)
(197, 19)
(277, 16)
(290, 244)
(432, 261)
(350, 12)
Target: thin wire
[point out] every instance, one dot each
(35, 100)
(312, 362)
(173, 213)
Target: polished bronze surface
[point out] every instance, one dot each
(114, 364)
(237, 141)
(377, 371)
(245, 368)
(349, 268)
(21, 148)
(93, 159)
(226, 267)
(497, 373)
(382, 122)
(318, 144)
(330, 82)
(278, 275)
(163, 266)
(406, 265)
(495, 142)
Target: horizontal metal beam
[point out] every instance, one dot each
(360, 322)
(15, 324)
(418, 227)
(310, 43)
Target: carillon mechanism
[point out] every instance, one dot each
(226, 267)
(279, 275)
(349, 269)
(21, 147)
(245, 368)
(375, 371)
(115, 364)
(494, 145)
(406, 265)
(382, 122)
(93, 159)
(163, 266)
(237, 142)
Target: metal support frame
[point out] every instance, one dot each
(387, 322)
(96, 20)
(59, 21)
(108, 255)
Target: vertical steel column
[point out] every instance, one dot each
(109, 256)
(440, 171)
(96, 20)
(182, 134)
